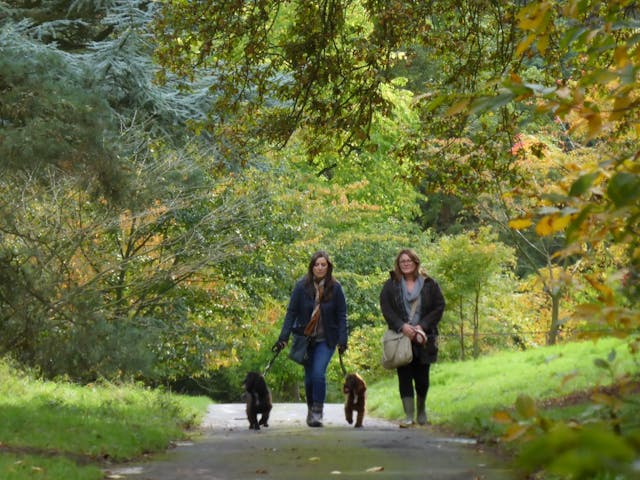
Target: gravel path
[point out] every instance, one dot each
(288, 449)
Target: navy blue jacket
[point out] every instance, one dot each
(333, 312)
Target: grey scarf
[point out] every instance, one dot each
(410, 298)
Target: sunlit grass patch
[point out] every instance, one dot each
(20, 467)
(54, 423)
(464, 395)
(103, 422)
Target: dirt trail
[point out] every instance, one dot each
(288, 449)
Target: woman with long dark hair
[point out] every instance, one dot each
(317, 309)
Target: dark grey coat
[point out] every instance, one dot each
(431, 310)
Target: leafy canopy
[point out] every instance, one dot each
(280, 65)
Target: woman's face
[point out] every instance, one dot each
(407, 266)
(320, 268)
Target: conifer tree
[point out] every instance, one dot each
(76, 77)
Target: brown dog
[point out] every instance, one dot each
(258, 399)
(354, 388)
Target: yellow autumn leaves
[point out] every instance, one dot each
(547, 225)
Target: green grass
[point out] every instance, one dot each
(464, 395)
(559, 432)
(53, 430)
(61, 430)
(20, 467)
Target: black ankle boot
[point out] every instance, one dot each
(316, 415)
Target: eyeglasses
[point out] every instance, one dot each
(406, 260)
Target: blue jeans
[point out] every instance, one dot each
(315, 380)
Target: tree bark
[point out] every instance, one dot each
(461, 330)
(555, 320)
(476, 326)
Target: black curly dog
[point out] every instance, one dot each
(354, 387)
(258, 399)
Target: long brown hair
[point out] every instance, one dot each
(328, 279)
(413, 256)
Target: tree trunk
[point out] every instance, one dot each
(461, 331)
(555, 320)
(476, 326)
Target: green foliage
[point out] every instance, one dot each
(603, 442)
(457, 154)
(75, 77)
(379, 176)
(49, 118)
(90, 289)
(282, 65)
(596, 203)
(467, 261)
(593, 96)
(470, 267)
(592, 451)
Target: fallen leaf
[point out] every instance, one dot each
(514, 431)
(374, 469)
(314, 459)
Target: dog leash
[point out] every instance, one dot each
(268, 367)
(344, 370)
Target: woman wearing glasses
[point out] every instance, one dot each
(412, 303)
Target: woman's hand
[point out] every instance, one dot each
(420, 337)
(278, 346)
(409, 331)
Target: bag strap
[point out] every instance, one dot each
(414, 305)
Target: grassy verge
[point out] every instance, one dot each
(464, 395)
(576, 383)
(60, 430)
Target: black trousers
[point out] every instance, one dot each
(413, 378)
